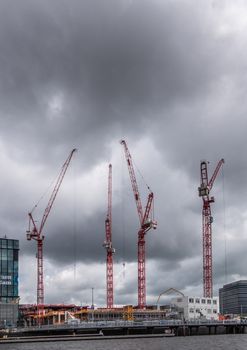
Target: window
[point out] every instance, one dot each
(4, 254)
(10, 243)
(215, 302)
(4, 243)
(214, 311)
(203, 301)
(15, 255)
(191, 310)
(4, 290)
(15, 291)
(191, 300)
(10, 254)
(10, 268)
(197, 301)
(4, 267)
(16, 244)
(209, 301)
(16, 266)
(15, 280)
(10, 291)
(209, 311)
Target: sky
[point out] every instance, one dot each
(169, 77)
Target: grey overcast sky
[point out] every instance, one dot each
(167, 76)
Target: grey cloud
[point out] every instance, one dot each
(109, 65)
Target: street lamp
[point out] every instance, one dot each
(92, 306)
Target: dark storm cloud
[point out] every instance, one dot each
(111, 64)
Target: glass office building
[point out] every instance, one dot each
(9, 253)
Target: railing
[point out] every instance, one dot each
(124, 324)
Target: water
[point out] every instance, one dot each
(224, 342)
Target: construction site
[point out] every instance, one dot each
(50, 314)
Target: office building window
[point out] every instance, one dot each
(4, 243)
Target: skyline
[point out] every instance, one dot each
(169, 78)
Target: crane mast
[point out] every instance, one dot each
(207, 219)
(36, 233)
(146, 223)
(108, 245)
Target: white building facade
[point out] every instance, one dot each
(198, 307)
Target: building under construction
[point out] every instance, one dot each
(61, 314)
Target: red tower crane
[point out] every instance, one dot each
(36, 233)
(108, 245)
(146, 223)
(207, 219)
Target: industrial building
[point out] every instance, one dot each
(233, 298)
(9, 298)
(197, 307)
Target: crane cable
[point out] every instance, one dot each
(148, 187)
(45, 193)
(142, 177)
(75, 218)
(123, 219)
(224, 222)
